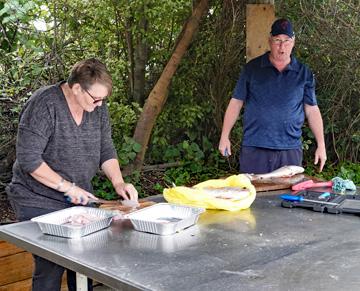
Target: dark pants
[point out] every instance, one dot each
(47, 275)
(254, 160)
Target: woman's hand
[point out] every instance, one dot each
(76, 195)
(126, 191)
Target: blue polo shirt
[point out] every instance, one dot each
(274, 102)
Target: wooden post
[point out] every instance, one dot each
(259, 18)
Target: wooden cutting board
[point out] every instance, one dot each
(116, 205)
(281, 183)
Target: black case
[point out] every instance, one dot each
(347, 203)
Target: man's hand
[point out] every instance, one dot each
(315, 121)
(231, 115)
(225, 147)
(320, 155)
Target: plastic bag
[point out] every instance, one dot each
(199, 197)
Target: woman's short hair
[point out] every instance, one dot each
(90, 71)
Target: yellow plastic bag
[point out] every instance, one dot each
(196, 196)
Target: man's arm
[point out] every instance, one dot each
(231, 115)
(315, 121)
(112, 170)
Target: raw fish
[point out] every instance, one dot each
(286, 171)
(130, 203)
(232, 193)
(81, 219)
(282, 180)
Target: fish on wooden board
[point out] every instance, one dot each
(281, 180)
(125, 209)
(126, 203)
(285, 171)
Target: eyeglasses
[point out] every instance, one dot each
(96, 99)
(278, 41)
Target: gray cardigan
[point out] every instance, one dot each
(48, 133)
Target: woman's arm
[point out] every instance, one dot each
(45, 175)
(112, 170)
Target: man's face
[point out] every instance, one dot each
(281, 47)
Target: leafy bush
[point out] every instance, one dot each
(127, 151)
(346, 170)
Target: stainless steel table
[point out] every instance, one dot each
(266, 247)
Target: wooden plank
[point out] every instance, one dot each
(24, 285)
(7, 249)
(259, 18)
(15, 268)
(64, 283)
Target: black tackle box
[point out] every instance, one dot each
(332, 203)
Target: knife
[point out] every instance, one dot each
(226, 155)
(301, 199)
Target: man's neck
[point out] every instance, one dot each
(280, 65)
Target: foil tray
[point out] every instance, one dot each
(164, 218)
(54, 223)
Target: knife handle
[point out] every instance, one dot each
(289, 197)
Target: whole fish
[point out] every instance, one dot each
(282, 180)
(285, 171)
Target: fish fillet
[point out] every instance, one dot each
(231, 193)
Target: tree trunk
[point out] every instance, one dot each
(130, 53)
(140, 60)
(157, 96)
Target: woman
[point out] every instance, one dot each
(64, 135)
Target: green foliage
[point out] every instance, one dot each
(192, 173)
(128, 151)
(350, 171)
(196, 163)
(158, 187)
(124, 117)
(103, 188)
(346, 170)
(21, 62)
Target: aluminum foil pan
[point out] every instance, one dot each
(57, 222)
(165, 243)
(164, 218)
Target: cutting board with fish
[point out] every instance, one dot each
(117, 205)
(278, 183)
(282, 178)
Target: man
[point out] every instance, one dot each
(277, 92)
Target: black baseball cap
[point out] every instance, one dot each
(282, 26)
